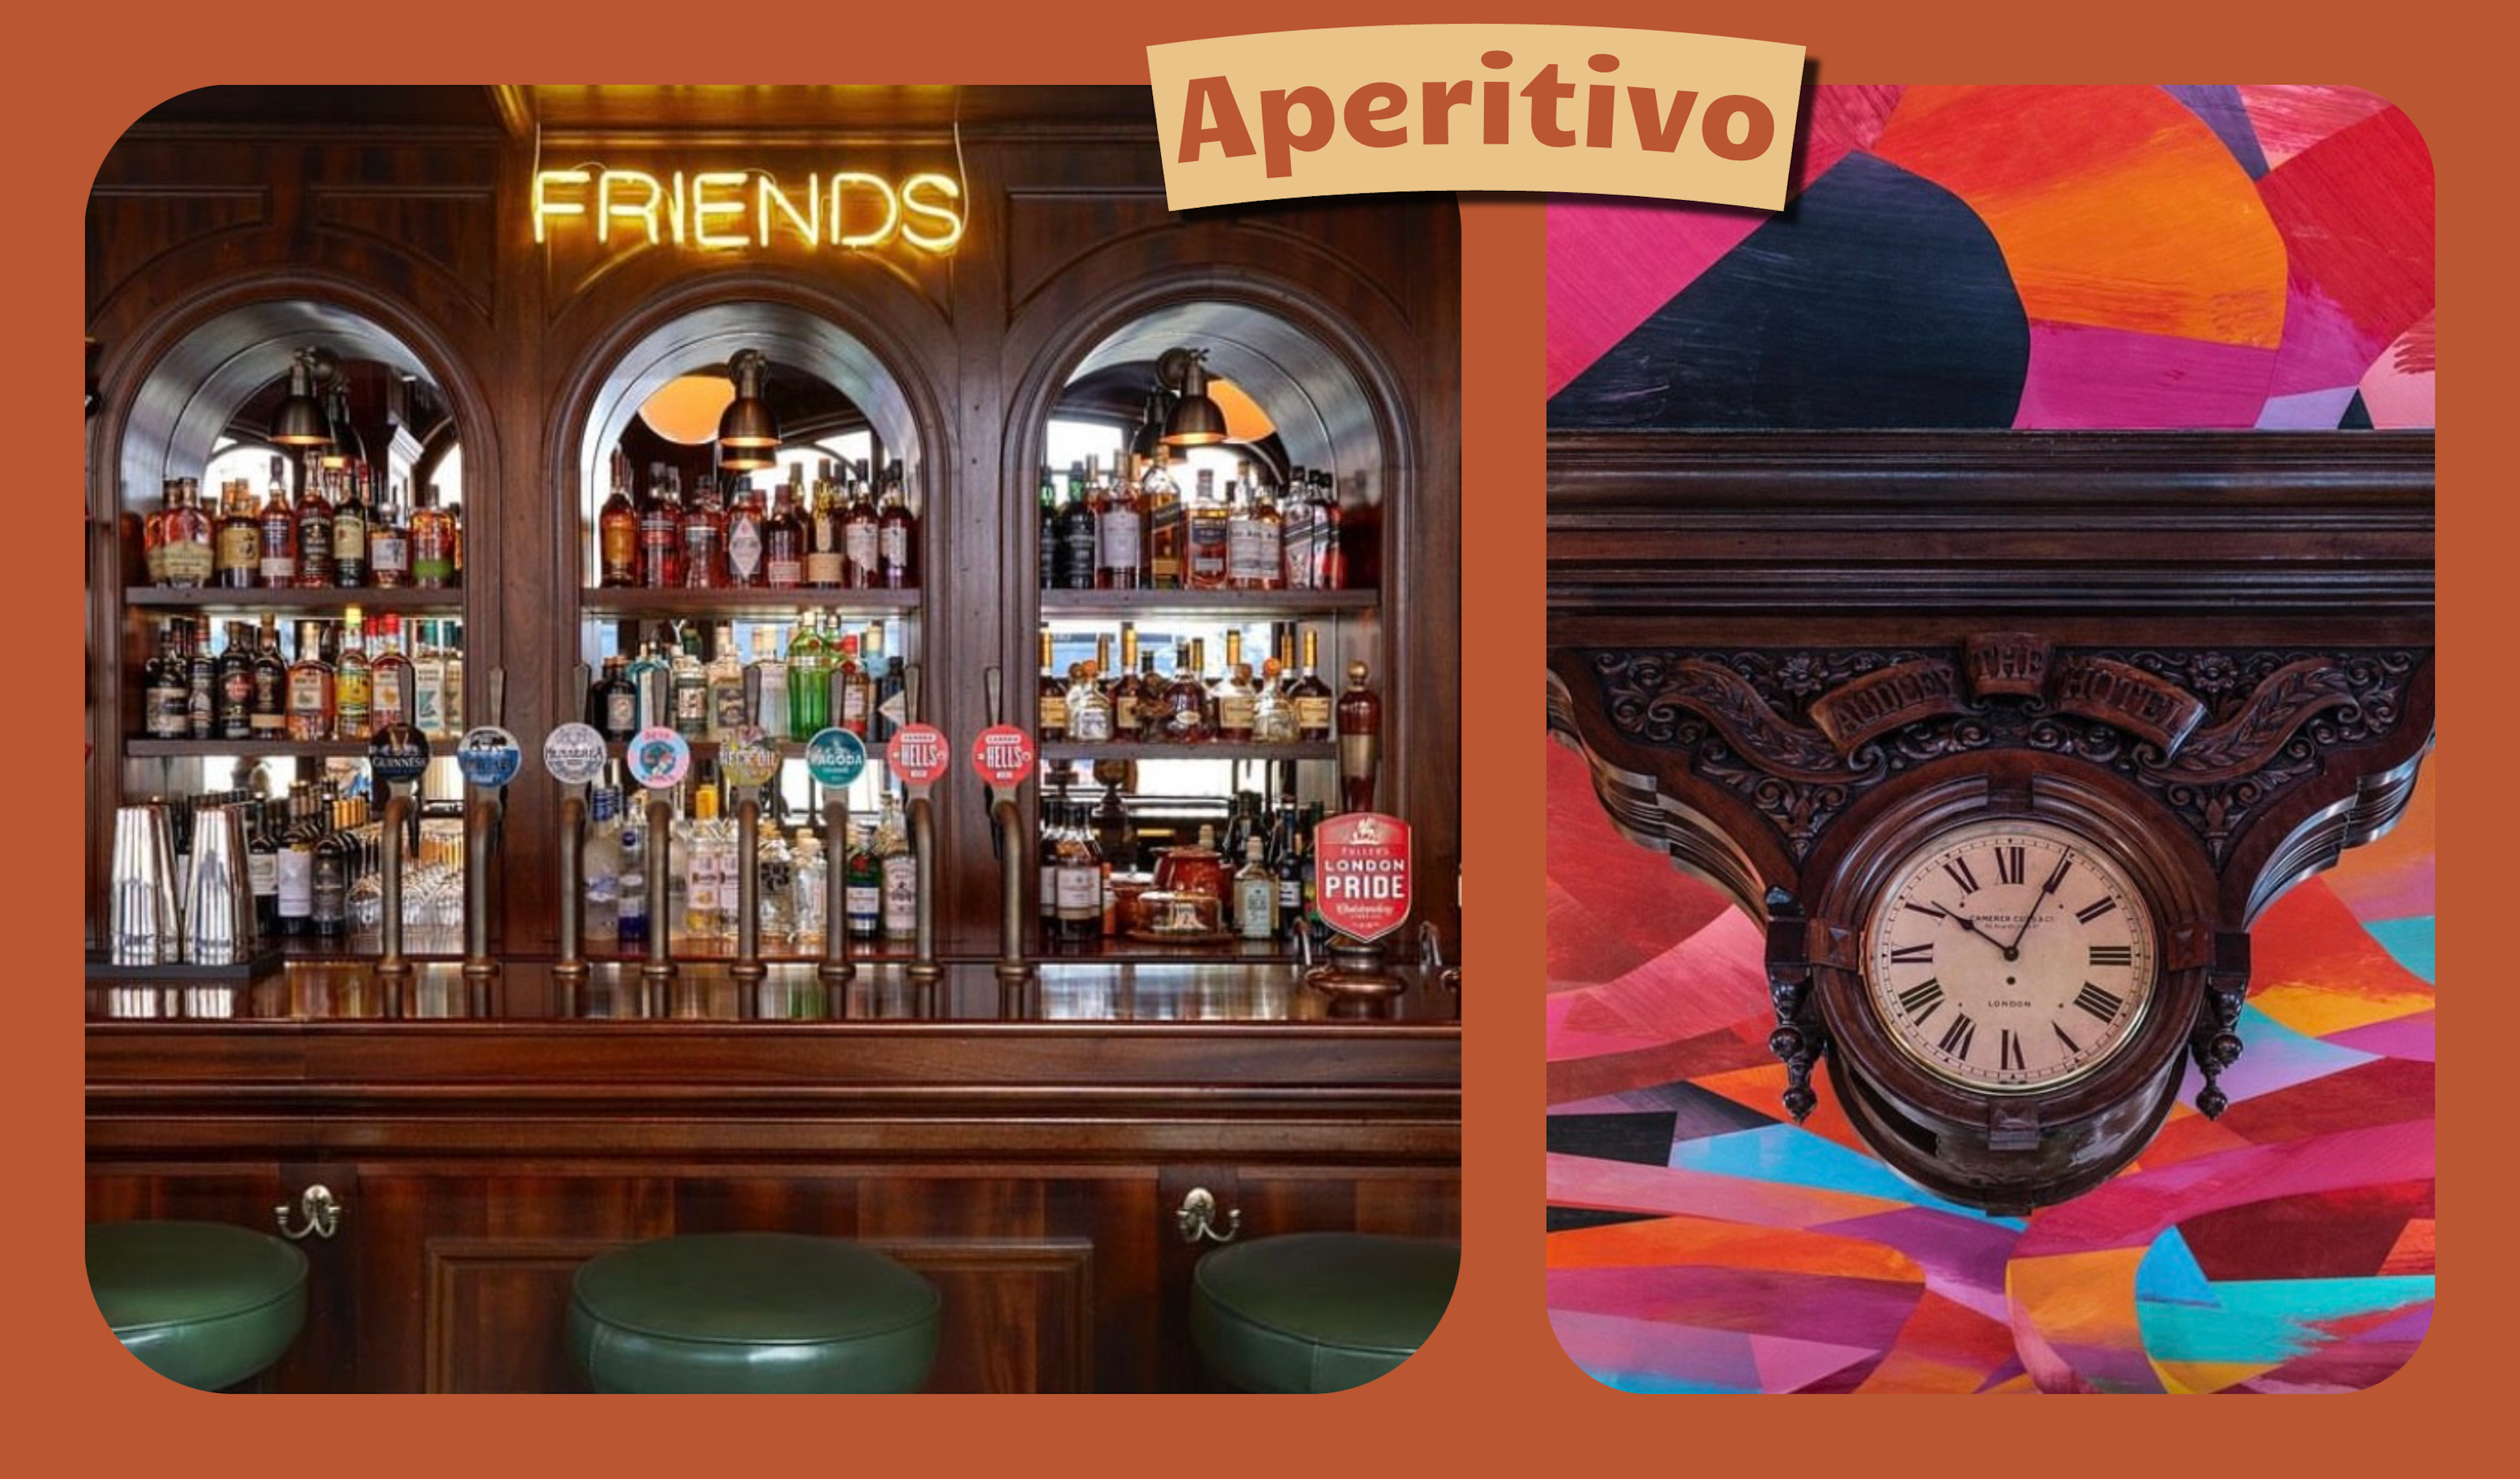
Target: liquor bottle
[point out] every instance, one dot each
(746, 520)
(897, 534)
(613, 703)
(1132, 691)
(600, 870)
(704, 539)
(1167, 529)
(704, 869)
(900, 872)
(727, 710)
(186, 559)
(1049, 527)
(777, 898)
(1310, 695)
(391, 680)
(1076, 535)
(1183, 706)
(1255, 895)
(660, 535)
(652, 678)
(278, 566)
(1237, 701)
(1120, 537)
(312, 690)
(389, 546)
(296, 864)
(428, 681)
(1360, 732)
(769, 683)
(827, 562)
(334, 855)
(1286, 864)
(267, 711)
(1054, 698)
(1330, 550)
(811, 879)
(809, 682)
(782, 536)
(1295, 531)
(1209, 536)
(152, 532)
(262, 867)
(852, 691)
(350, 521)
(1273, 713)
(433, 535)
(616, 526)
(690, 684)
(201, 686)
(238, 558)
(451, 649)
(864, 895)
(1080, 881)
(1045, 900)
(1255, 551)
(234, 684)
(165, 684)
(314, 531)
(892, 691)
(1089, 709)
(862, 538)
(353, 696)
(630, 908)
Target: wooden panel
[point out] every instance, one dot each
(1020, 1314)
(455, 230)
(1048, 229)
(497, 1313)
(127, 230)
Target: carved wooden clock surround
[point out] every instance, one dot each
(1793, 660)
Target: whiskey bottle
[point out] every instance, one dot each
(617, 525)
(428, 681)
(690, 681)
(862, 538)
(660, 535)
(238, 558)
(268, 716)
(201, 686)
(315, 531)
(353, 716)
(390, 685)
(1052, 726)
(1130, 691)
(432, 542)
(185, 557)
(1254, 551)
(1310, 697)
(390, 546)
(783, 537)
(152, 532)
(1183, 709)
(235, 692)
(1210, 536)
(1168, 529)
(167, 687)
(278, 566)
(897, 534)
(1237, 701)
(1049, 529)
(350, 522)
(1329, 549)
(827, 562)
(703, 555)
(1120, 537)
(1076, 535)
(745, 547)
(1360, 731)
(310, 714)
(1273, 714)
(1089, 709)
(1297, 531)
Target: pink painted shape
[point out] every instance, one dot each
(2397, 390)
(1613, 1345)
(1613, 261)
(1703, 984)
(2135, 1209)
(2406, 1037)
(1786, 1364)
(1576, 1181)
(2309, 411)
(2290, 120)
(2083, 377)
(2322, 349)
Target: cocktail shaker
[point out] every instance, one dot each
(141, 924)
(218, 899)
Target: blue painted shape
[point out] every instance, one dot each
(2408, 942)
(1791, 1155)
(2277, 1057)
(1876, 298)
(2267, 1321)
(2170, 1271)
(2221, 107)
(1652, 1383)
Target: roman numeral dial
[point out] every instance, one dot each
(2010, 956)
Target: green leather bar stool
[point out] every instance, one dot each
(204, 1304)
(752, 1312)
(1319, 1311)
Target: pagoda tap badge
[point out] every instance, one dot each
(1362, 863)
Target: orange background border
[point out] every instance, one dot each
(1491, 1385)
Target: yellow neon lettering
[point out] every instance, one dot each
(702, 207)
(809, 224)
(891, 209)
(675, 210)
(945, 187)
(607, 207)
(545, 206)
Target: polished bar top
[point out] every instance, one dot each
(1220, 993)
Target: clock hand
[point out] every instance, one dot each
(2012, 950)
(1971, 926)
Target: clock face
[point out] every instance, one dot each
(2011, 956)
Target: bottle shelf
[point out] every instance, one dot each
(398, 598)
(1281, 604)
(1069, 749)
(641, 603)
(263, 749)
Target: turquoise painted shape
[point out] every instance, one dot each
(2267, 1321)
(2409, 942)
(1791, 1155)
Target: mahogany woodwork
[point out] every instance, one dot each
(1788, 657)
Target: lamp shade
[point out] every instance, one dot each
(747, 422)
(301, 422)
(1196, 421)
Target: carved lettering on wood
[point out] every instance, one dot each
(1884, 701)
(2154, 709)
(2013, 663)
